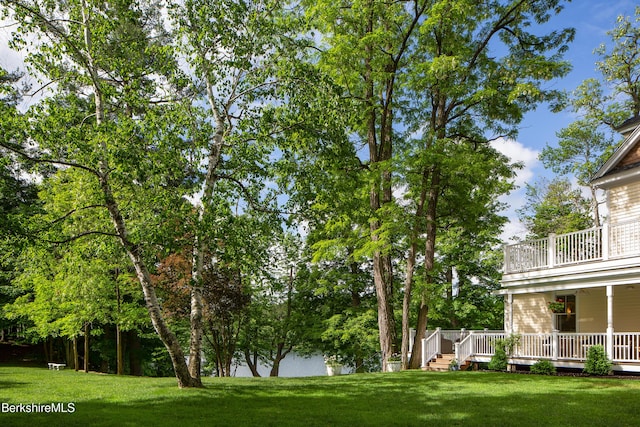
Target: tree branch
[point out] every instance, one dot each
(25, 155)
(79, 236)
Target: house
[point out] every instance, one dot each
(592, 277)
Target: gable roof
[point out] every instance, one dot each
(628, 126)
(624, 163)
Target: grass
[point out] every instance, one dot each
(398, 399)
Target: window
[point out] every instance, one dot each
(566, 319)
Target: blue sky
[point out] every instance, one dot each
(591, 19)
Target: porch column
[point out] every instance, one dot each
(508, 321)
(610, 321)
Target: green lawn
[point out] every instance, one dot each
(401, 399)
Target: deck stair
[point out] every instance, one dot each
(442, 361)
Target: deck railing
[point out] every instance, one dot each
(430, 346)
(556, 346)
(626, 347)
(595, 244)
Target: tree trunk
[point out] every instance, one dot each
(380, 151)
(595, 207)
(133, 251)
(421, 328)
(252, 362)
(74, 351)
(382, 266)
(356, 302)
(281, 353)
(135, 365)
(195, 338)
(408, 281)
(429, 263)
(47, 353)
(119, 352)
(86, 347)
(406, 304)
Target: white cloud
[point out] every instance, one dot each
(531, 167)
(517, 152)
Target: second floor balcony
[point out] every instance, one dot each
(611, 241)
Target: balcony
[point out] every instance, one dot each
(609, 242)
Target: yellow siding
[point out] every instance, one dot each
(624, 203)
(592, 310)
(530, 314)
(626, 308)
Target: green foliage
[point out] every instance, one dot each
(185, 157)
(503, 350)
(597, 362)
(620, 64)
(499, 360)
(554, 207)
(543, 367)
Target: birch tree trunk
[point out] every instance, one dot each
(133, 251)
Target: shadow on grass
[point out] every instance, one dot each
(404, 399)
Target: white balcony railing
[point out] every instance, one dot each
(595, 244)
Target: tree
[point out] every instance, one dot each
(111, 64)
(18, 200)
(244, 73)
(621, 66)
(468, 264)
(582, 148)
(554, 208)
(452, 74)
(365, 50)
(586, 143)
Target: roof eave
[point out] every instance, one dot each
(617, 156)
(616, 179)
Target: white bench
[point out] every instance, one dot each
(57, 366)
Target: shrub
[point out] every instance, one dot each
(504, 349)
(543, 367)
(499, 360)
(597, 362)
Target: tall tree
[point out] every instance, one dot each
(244, 70)
(365, 48)
(18, 198)
(107, 66)
(452, 73)
(479, 68)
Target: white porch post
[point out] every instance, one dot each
(551, 255)
(610, 321)
(508, 324)
(554, 344)
(605, 241)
